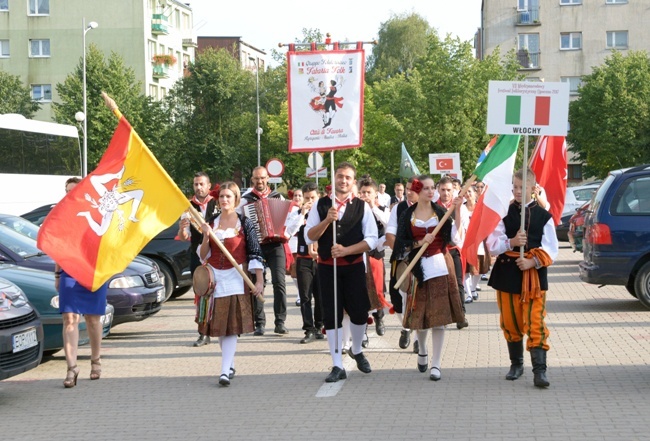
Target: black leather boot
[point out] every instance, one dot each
(538, 357)
(516, 351)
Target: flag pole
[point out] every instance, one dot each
(195, 215)
(435, 231)
(524, 196)
(336, 306)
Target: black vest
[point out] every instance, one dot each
(349, 230)
(401, 208)
(211, 213)
(381, 232)
(506, 276)
(303, 249)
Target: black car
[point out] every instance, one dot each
(171, 255)
(616, 244)
(135, 293)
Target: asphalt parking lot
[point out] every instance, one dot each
(156, 386)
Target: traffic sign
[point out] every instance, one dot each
(275, 167)
(275, 180)
(311, 173)
(315, 160)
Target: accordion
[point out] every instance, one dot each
(269, 217)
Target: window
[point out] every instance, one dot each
(528, 50)
(153, 91)
(616, 39)
(522, 5)
(163, 92)
(4, 48)
(4, 5)
(39, 48)
(571, 40)
(615, 2)
(42, 92)
(177, 19)
(39, 7)
(186, 21)
(574, 172)
(570, 2)
(151, 48)
(574, 84)
(633, 197)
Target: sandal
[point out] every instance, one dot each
(71, 377)
(95, 372)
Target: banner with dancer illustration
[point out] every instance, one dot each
(325, 99)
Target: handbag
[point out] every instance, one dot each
(203, 281)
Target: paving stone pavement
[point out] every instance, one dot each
(156, 386)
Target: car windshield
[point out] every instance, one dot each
(18, 243)
(19, 225)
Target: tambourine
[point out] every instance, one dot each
(203, 281)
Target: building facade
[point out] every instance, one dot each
(249, 56)
(42, 41)
(561, 40)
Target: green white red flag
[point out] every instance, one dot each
(496, 172)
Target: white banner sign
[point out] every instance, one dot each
(444, 163)
(311, 173)
(528, 108)
(325, 99)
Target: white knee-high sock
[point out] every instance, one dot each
(437, 340)
(467, 283)
(421, 335)
(228, 345)
(357, 332)
(337, 359)
(345, 330)
(475, 280)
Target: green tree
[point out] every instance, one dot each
(403, 40)
(610, 121)
(117, 80)
(16, 97)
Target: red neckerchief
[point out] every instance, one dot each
(264, 194)
(439, 202)
(340, 204)
(204, 204)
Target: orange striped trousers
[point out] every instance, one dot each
(517, 319)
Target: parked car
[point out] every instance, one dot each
(562, 229)
(170, 254)
(38, 286)
(576, 227)
(578, 195)
(21, 332)
(617, 233)
(136, 293)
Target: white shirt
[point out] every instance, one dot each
(368, 225)
(432, 266)
(384, 199)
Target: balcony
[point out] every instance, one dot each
(529, 17)
(189, 42)
(160, 71)
(529, 60)
(159, 24)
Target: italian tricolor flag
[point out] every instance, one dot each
(496, 172)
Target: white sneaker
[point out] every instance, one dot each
(468, 299)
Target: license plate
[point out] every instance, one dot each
(25, 340)
(160, 295)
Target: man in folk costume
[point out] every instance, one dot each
(205, 203)
(522, 282)
(459, 228)
(356, 233)
(275, 257)
(375, 271)
(397, 296)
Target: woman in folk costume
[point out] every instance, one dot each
(433, 300)
(229, 312)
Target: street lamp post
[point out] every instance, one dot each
(257, 91)
(91, 25)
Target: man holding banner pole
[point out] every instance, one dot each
(356, 233)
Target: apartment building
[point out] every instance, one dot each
(561, 40)
(42, 41)
(249, 56)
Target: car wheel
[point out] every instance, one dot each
(180, 291)
(169, 279)
(642, 284)
(630, 287)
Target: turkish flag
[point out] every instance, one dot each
(444, 163)
(549, 163)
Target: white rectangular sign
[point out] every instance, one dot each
(311, 173)
(276, 180)
(528, 108)
(443, 163)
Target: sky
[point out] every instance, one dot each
(263, 23)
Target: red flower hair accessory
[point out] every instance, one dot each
(328, 189)
(215, 191)
(416, 186)
(290, 194)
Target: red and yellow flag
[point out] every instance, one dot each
(104, 222)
